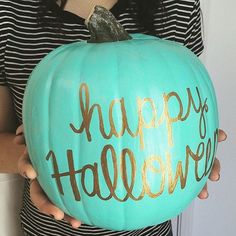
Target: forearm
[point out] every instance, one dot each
(9, 153)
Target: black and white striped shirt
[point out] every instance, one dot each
(24, 42)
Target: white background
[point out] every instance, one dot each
(217, 215)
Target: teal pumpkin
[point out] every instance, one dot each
(122, 134)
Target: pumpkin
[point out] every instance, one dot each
(122, 129)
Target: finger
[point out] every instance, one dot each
(204, 193)
(215, 172)
(20, 130)
(74, 223)
(42, 202)
(25, 167)
(19, 139)
(222, 135)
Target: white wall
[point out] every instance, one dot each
(217, 215)
(10, 201)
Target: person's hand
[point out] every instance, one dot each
(215, 172)
(38, 197)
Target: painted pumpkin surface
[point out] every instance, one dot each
(122, 134)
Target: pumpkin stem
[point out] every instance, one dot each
(104, 27)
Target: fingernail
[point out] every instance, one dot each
(204, 196)
(52, 217)
(18, 133)
(76, 225)
(25, 175)
(225, 137)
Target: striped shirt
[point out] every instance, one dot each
(24, 41)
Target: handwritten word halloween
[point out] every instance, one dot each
(204, 153)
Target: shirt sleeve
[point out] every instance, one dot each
(3, 29)
(2, 49)
(194, 39)
(2, 77)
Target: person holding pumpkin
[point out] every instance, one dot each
(29, 31)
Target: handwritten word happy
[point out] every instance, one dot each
(88, 111)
